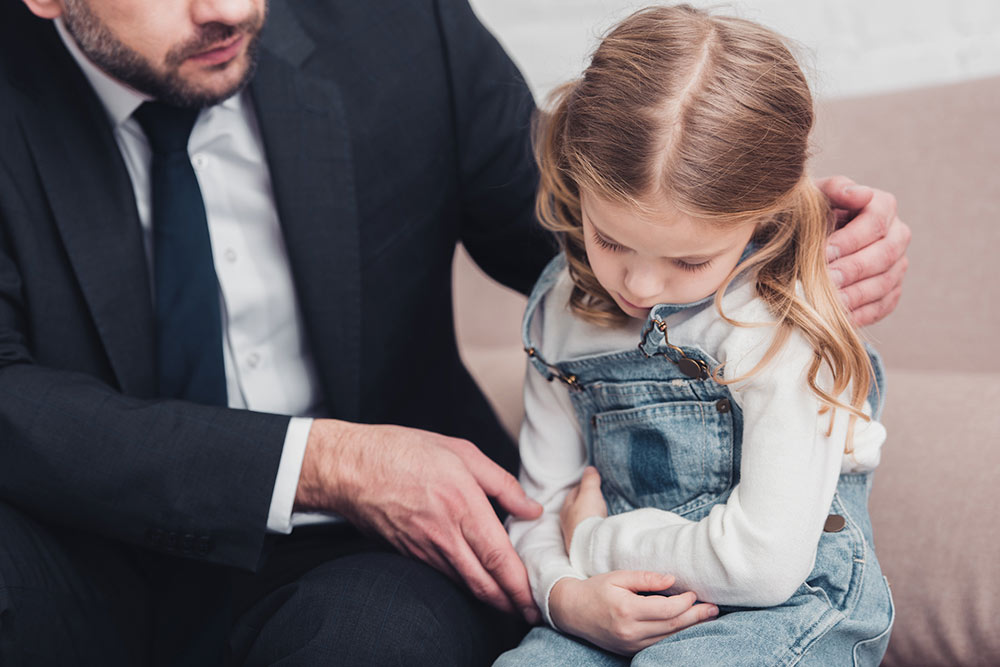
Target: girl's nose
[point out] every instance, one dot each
(643, 282)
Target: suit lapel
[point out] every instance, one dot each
(93, 204)
(307, 143)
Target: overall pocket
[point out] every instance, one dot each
(676, 456)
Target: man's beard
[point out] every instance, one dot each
(102, 47)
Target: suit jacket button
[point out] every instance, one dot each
(155, 537)
(834, 524)
(203, 546)
(171, 541)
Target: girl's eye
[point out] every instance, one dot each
(692, 267)
(606, 244)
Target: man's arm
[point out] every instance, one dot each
(492, 108)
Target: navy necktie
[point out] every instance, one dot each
(188, 319)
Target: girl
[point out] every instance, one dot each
(688, 344)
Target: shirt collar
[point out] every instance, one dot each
(119, 100)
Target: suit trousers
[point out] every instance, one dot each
(324, 595)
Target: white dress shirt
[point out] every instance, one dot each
(268, 364)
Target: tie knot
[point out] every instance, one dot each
(167, 128)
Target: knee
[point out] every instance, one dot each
(376, 609)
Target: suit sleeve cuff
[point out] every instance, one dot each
(279, 516)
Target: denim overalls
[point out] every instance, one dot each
(663, 434)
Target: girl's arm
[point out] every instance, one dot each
(759, 546)
(553, 457)
(609, 610)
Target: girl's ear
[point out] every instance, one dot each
(46, 9)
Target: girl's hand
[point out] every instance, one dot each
(608, 610)
(582, 502)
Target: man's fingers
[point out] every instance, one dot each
(479, 581)
(844, 193)
(873, 259)
(493, 551)
(870, 313)
(870, 225)
(874, 288)
(496, 482)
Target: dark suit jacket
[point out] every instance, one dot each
(393, 129)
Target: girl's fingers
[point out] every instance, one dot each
(693, 615)
(664, 607)
(642, 581)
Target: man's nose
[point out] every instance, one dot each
(227, 12)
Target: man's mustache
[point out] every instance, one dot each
(210, 35)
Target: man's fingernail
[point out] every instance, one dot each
(836, 277)
(714, 611)
(531, 615)
(832, 252)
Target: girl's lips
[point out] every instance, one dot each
(630, 304)
(220, 54)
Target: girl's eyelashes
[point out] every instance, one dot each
(606, 244)
(681, 264)
(692, 267)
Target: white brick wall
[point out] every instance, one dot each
(850, 47)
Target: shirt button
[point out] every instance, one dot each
(723, 405)
(199, 161)
(253, 360)
(230, 255)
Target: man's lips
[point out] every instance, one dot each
(222, 53)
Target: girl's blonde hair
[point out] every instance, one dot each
(713, 114)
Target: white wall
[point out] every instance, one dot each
(851, 47)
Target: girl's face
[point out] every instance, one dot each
(643, 259)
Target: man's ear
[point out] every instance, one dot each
(46, 9)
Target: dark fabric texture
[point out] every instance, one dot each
(68, 598)
(392, 130)
(330, 595)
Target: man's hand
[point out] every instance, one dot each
(608, 610)
(427, 495)
(582, 502)
(867, 250)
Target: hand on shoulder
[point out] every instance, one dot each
(867, 250)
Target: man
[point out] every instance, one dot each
(341, 151)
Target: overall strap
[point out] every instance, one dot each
(544, 285)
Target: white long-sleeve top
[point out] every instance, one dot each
(757, 547)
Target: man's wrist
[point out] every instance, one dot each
(321, 466)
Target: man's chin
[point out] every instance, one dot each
(207, 85)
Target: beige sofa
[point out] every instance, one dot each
(936, 496)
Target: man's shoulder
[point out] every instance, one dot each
(333, 21)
